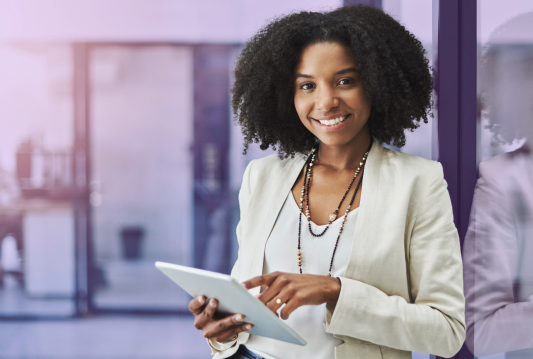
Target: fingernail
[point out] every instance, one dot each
(201, 300)
(239, 318)
(248, 327)
(212, 303)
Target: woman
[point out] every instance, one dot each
(360, 269)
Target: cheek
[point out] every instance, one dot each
(355, 98)
(364, 102)
(358, 103)
(302, 107)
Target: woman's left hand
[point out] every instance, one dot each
(295, 290)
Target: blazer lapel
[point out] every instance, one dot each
(367, 209)
(268, 202)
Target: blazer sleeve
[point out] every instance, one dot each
(224, 350)
(434, 323)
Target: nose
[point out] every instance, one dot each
(326, 99)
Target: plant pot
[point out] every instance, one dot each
(131, 242)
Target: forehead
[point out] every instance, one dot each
(324, 58)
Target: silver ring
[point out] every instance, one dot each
(278, 301)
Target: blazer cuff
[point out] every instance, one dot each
(219, 347)
(224, 350)
(335, 315)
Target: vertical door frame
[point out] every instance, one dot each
(212, 205)
(455, 86)
(81, 175)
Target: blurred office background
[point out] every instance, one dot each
(118, 149)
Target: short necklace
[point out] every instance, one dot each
(305, 193)
(307, 183)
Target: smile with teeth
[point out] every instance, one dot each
(334, 121)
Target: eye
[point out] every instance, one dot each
(346, 81)
(307, 86)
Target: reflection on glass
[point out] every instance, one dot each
(36, 216)
(498, 252)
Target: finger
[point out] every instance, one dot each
(210, 308)
(277, 286)
(219, 327)
(289, 307)
(207, 315)
(277, 302)
(196, 304)
(268, 295)
(262, 280)
(229, 334)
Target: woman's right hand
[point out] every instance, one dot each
(221, 330)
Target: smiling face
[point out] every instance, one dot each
(329, 96)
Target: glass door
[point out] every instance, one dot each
(141, 117)
(37, 244)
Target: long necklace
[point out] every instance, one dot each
(305, 193)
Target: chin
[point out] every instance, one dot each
(334, 140)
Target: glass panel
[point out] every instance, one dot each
(141, 128)
(417, 17)
(37, 264)
(498, 249)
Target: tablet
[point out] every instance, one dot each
(232, 298)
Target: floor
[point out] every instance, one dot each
(15, 302)
(103, 337)
(138, 284)
(130, 285)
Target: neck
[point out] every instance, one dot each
(347, 156)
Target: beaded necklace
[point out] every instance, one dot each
(305, 193)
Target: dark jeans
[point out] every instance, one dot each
(244, 353)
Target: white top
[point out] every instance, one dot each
(281, 255)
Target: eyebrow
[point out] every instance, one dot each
(341, 72)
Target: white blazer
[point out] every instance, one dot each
(403, 288)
